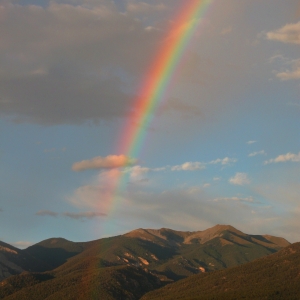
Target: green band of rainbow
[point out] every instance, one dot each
(157, 80)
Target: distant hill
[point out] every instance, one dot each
(273, 277)
(139, 261)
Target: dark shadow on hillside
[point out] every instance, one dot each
(53, 257)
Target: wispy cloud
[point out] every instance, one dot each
(84, 215)
(189, 166)
(294, 73)
(251, 142)
(223, 161)
(290, 33)
(261, 152)
(284, 158)
(239, 199)
(44, 213)
(108, 162)
(239, 179)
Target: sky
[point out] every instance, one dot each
(223, 146)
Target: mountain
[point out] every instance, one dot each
(273, 277)
(15, 261)
(133, 263)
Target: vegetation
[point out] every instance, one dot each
(128, 266)
(273, 277)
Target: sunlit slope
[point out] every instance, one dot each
(134, 263)
(273, 277)
(171, 254)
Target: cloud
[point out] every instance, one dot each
(251, 142)
(189, 166)
(108, 162)
(247, 199)
(66, 60)
(84, 215)
(284, 158)
(239, 179)
(99, 194)
(206, 185)
(290, 33)
(261, 152)
(290, 74)
(22, 244)
(46, 213)
(223, 161)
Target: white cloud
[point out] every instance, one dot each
(206, 185)
(108, 162)
(261, 152)
(138, 172)
(251, 142)
(239, 179)
(284, 158)
(223, 161)
(290, 33)
(189, 166)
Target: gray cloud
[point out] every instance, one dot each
(46, 213)
(62, 63)
(84, 215)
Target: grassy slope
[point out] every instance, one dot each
(274, 277)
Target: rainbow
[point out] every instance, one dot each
(157, 80)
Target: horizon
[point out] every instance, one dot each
(223, 143)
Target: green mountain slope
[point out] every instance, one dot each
(146, 256)
(273, 277)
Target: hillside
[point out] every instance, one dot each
(134, 263)
(273, 277)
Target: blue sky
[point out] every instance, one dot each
(224, 144)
